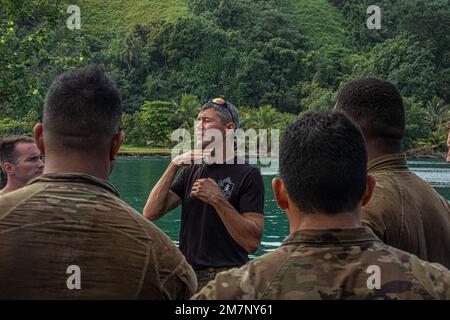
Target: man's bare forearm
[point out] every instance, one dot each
(157, 200)
(245, 232)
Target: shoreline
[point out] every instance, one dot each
(420, 154)
(139, 154)
(410, 155)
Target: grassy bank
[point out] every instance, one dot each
(129, 150)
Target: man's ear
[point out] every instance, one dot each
(38, 132)
(9, 169)
(116, 143)
(370, 186)
(280, 193)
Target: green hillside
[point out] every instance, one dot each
(106, 16)
(322, 23)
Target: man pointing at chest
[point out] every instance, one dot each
(222, 203)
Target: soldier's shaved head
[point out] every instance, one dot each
(376, 106)
(82, 110)
(323, 163)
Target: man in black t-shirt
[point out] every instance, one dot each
(222, 203)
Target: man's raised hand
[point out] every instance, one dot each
(190, 157)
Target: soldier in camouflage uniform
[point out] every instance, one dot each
(67, 235)
(328, 255)
(405, 211)
(20, 162)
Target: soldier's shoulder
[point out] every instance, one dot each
(434, 277)
(425, 279)
(20, 195)
(247, 282)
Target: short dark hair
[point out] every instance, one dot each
(376, 105)
(82, 109)
(8, 148)
(227, 112)
(323, 162)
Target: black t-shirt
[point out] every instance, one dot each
(204, 239)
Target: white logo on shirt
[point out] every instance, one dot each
(227, 186)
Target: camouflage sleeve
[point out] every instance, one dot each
(176, 277)
(434, 277)
(233, 284)
(252, 281)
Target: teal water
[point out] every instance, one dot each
(135, 177)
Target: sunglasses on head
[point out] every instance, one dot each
(222, 103)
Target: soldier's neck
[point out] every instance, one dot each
(78, 163)
(6, 189)
(11, 186)
(325, 221)
(377, 148)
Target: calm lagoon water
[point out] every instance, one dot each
(135, 177)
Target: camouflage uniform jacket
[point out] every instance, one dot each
(63, 220)
(332, 264)
(407, 213)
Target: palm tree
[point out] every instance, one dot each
(437, 112)
(266, 117)
(186, 111)
(436, 141)
(263, 118)
(127, 51)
